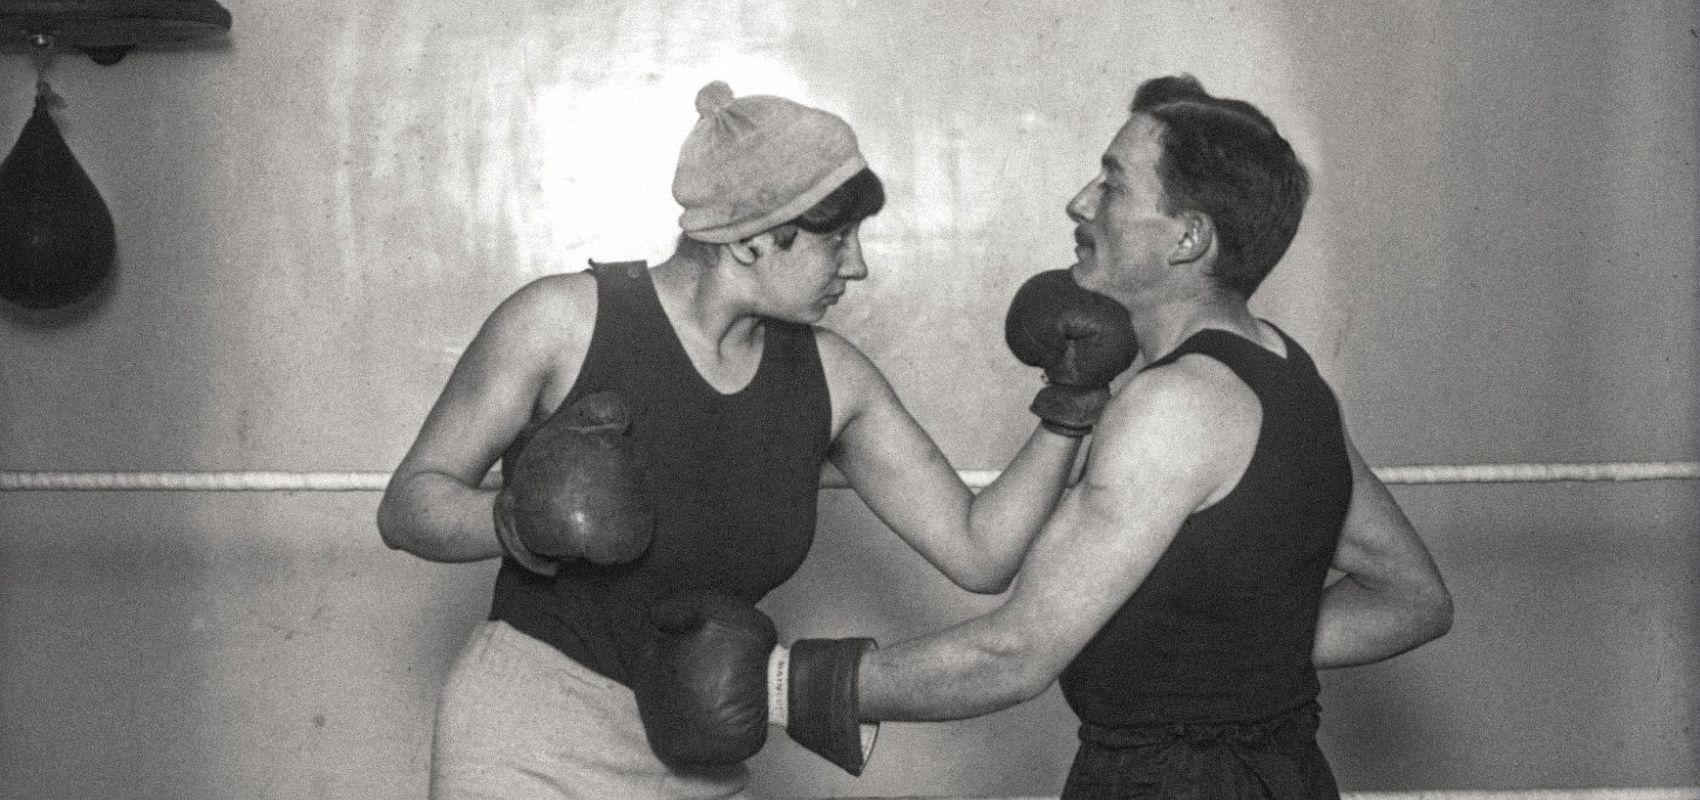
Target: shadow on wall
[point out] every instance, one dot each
(104, 664)
(179, 644)
(1572, 659)
(1505, 282)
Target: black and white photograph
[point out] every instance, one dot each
(902, 399)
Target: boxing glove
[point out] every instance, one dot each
(713, 678)
(575, 490)
(1080, 338)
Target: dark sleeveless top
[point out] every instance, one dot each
(735, 477)
(1221, 630)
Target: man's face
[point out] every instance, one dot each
(1122, 237)
(802, 281)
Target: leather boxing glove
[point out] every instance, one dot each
(713, 678)
(1080, 338)
(575, 490)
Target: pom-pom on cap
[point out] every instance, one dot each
(751, 163)
(713, 97)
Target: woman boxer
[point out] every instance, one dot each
(664, 431)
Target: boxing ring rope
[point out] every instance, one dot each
(282, 481)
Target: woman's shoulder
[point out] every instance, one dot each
(837, 352)
(558, 287)
(548, 310)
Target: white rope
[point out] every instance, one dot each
(194, 481)
(273, 481)
(1540, 473)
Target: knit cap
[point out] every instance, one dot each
(754, 162)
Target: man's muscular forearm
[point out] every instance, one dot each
(1357, 625)
(960, 673)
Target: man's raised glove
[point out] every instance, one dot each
(713, 678)
(576, 490)
(1080, 338)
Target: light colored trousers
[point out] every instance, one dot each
(518, 719)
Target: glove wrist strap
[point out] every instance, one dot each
(821, 706)
(1070, 410)
(779, 686)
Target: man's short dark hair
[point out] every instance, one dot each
(1225, 159)
(858, 198)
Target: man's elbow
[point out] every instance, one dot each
(1437, 615)
(1424, 616)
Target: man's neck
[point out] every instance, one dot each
(1163, 326)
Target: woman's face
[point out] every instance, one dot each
(804, 280)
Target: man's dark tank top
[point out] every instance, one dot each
(735, 477)
(1221, 630)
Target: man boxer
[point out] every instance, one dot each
(1179, 592)
(664, 432)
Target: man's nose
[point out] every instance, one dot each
(1084, 204)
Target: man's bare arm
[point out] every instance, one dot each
(1169, 444)
(1391, 598)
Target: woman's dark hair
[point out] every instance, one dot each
(856, 199)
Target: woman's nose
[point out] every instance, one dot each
(851, 266)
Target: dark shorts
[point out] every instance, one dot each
(1276, 759)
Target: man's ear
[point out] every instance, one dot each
(1198, 239)
(746, 251)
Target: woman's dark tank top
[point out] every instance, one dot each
(1221, 630)
(735, 477)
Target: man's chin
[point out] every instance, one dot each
(1081, 270)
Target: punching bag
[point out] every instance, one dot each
(56, 237)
